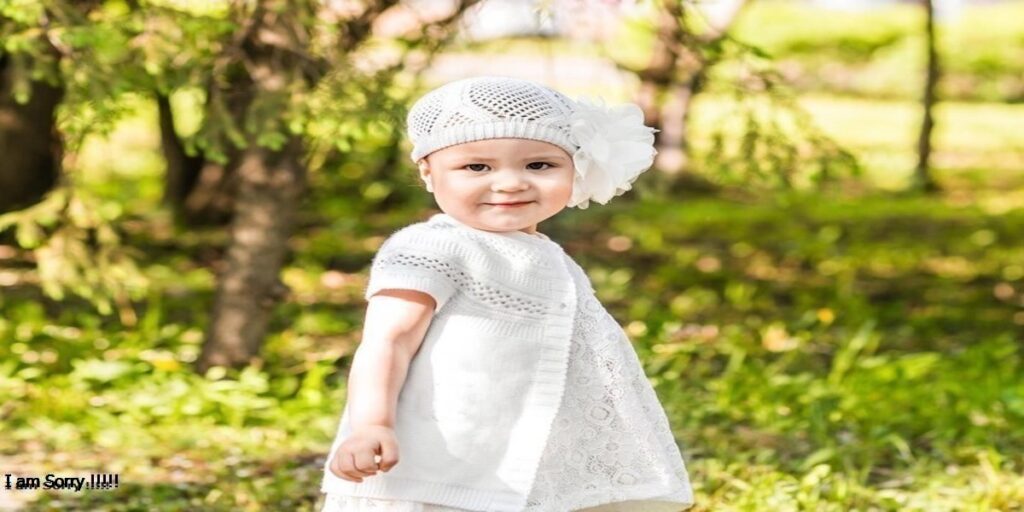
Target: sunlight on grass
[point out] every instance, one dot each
(883, 134)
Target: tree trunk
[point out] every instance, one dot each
(672, 157)
(201, 192)
(270, 184)
(664, 107)
(248, 287)
(721, 17)
(649, 99)
(922, 173)
(659, 75)
(30, 145)
(182, 170)
(664, 97)
(211, 202)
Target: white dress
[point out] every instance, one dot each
(610, 432)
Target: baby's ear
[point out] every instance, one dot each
(424, 172)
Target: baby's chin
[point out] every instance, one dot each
(499, 222)
(502, 228)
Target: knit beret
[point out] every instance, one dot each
(488, 107)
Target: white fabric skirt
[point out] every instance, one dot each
(339, 503)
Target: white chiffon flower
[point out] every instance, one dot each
(615, 147)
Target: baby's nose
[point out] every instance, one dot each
(511, 180)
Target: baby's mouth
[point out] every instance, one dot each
(520, 203)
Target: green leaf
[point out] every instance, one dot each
(30, 235)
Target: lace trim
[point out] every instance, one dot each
(341, 503)
(610, 441)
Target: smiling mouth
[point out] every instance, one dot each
(524, 203)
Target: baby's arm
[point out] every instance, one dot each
(410, 279)
(396, 322)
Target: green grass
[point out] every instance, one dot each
(812, 355)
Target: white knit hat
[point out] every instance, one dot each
(610, 146)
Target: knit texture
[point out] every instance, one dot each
(609, 440)
(488, 108)
(339, 503)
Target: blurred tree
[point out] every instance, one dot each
(372, 168)
(30, 90)
(282, 81)
(200, 190)
(57, 86)
(678, 71)
(279, 62)
(29, 140)
(284, 92)
(770, 140)
(922, 172)
(270, 53)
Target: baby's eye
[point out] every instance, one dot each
(472, 168)
(541, 163)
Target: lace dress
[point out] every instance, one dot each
(609, 440)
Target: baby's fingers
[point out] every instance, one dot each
(388, 454)
(343, 468)
(365, 462)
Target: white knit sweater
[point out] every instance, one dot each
(476, 417)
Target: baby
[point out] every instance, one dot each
(489, 376)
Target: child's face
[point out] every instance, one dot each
(470, 181)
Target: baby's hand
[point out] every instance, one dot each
(356, 456)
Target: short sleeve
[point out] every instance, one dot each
(413, 259)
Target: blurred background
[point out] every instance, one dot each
(823, 274)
